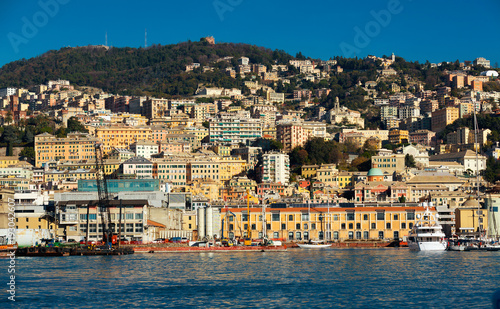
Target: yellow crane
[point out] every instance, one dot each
(248, 239)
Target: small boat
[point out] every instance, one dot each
(427, 234)
(314, 246)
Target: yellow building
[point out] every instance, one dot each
(206, 187)
(189, 220)
(56, 175)
(338, 224)
(470, 220)
(75, 147)
(7, 161)
(229, 167)
(173, 172)
(110, 165)
(222, 150)
(397, 136)
(121, 136)
(344, 179)
(326, 174)
(308, 171)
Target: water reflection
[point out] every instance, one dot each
(298, 278)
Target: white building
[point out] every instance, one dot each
(276, 168)
(228, 128)
(5, 92)
(144, 148)
(138, 166)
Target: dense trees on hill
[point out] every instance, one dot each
(155, 70)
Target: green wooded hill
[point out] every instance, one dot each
(156, 70)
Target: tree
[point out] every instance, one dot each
(10, 136)
(410, 161)
(206, 124)
(28, 152)
(75, 126)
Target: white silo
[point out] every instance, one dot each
(201, 222)
(209, 222)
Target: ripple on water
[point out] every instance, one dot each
(349, 278)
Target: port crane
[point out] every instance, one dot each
(103, 197)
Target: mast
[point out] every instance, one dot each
(476, 146)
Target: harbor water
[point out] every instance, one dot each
(341, 278)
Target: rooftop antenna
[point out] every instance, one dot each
(145, 38)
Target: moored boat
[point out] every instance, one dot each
(314, 246)
(427, 234)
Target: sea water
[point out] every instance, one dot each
(339, 278)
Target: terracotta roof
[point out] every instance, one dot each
(154, 223)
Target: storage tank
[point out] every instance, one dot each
(201, 223)
(210, 222)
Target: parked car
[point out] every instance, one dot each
(159, 241)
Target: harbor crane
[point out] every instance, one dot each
(103, 197)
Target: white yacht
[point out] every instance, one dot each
(427, 234)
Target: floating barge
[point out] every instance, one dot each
(74, 251)
(210, 249)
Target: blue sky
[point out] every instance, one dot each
(415, 30)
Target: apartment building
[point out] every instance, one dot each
(443, 117)
(389, 163)
(73, 148)
(276, 168)
(292, 135)
(234, 129)
(121, 136)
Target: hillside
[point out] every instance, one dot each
(157, 70)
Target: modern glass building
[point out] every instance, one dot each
(118, 185)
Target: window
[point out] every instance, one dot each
(358, 226)
(335, 235)
(396, 234)
(350, 216)
(290, 235)
(410, 216)
(351, 226)
(358, 235)
(313, 226)
(83, 217)
(297, 226)
(276, 217)
(396, 217)
(305, 226)
(351, 235)
(380, 216)
(92, 216)
(342, 226)
(276, 235)
(231, 227)
(231, 218)
(244, 217)
(283, 226)
(388, 225)
(138, 216)
(365, 235)
(254, 227)
(290, 218)
(268, 226)
(305, 217)
(138, 228)
(320, 235)
(129, 216)
(306, 235)
(403, 225)
(374, 226)
(245, 226)
(298, 236)
(381, 234)
(410, 225)
(129, 228)
(335, 217)
(365, 217)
